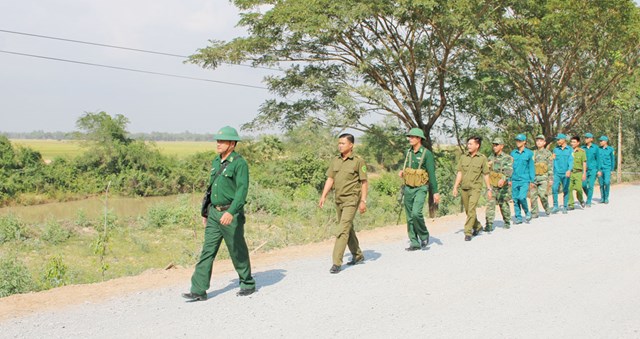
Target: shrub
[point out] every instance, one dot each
(164, 214)
(14, 277)
(54, 273)
(387, 184)
(54, 233)
(11, 228)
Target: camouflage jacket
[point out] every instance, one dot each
(543, 156)
(501, 164)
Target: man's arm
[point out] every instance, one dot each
(327, 187)
(363, 196)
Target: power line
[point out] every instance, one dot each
(125, 48)
(131, 69)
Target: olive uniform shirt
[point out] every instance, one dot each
(579, 157)
(472, 168)
(347, 175)
(232, 185)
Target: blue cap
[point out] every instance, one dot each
(561, 136)
(604, 138)
(588, 135)
(521, 137)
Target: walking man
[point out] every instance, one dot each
(419, 175)
(472, 170)
(579, 172)
(229, 183)
(562, 167)
(500, 170)
(543, 163)
(591, 152)
(347, 174)
(606, 164)
(524, 175)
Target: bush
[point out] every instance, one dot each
(163, 214)
(54, 273)
(11, 228)
(387, 184)
(54, 233)
(14, 277)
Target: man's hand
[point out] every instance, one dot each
(400, 174)
(532, 185)
(321, 203)
(501, 183)
(204, 221)
(599, 173)
(455, 192)
(226, 218)
(489, 194)
(363, 207)
(584, 176)
(436, 198)
(568, 174)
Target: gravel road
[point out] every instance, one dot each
(568, 276)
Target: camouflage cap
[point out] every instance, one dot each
(497, 141)
(540, 136)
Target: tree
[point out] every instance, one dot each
(549, 63)
(103, 129)
(353, 58)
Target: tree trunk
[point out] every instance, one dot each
(619, 171)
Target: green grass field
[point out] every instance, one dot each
(51, 149)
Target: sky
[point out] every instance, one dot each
(48, 95)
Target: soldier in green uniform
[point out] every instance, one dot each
(543, 162)
(472, 169)
(229, 182)
(579, 172)
(419, 175)
(347, 174)
(592, 167)
(501, 168)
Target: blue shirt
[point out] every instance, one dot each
(592, 157)
(563, 160)
(523, 167)
(606, 159)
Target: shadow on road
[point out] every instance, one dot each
(263, 279)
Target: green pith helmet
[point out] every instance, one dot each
(416, 132)
(227, 133)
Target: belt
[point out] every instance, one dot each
(222, 208)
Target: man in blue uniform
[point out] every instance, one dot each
(562, 167)
(592, 166)
(524, 175)
(606, 164)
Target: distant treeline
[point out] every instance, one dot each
(153, 136)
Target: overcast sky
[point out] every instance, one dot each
(50, 95)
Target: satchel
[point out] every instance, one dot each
(206, 200)
(495, 177)
(541, 168)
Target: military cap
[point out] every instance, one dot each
(416, 132)
(588, 135)
(521, 137)
(497, 141)
(227, 133)
(540, 136)
(604, 138)
(561, 136)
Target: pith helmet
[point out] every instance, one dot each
(416, 132)
(227, 133)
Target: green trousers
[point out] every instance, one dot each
(346, 235)
(470, 203)
(541, 192)
(414, 198)
(233, 236)
(500, 197)
(575, 184)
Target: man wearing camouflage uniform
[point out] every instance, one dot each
(543, 162)
(501, 168)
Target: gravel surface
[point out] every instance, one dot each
(570, 276)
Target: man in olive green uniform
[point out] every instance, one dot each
(347, 174)
(229, 182)
(543, 162)
(500, 170)
(472, 169)
(579, 172)
(419, 175)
